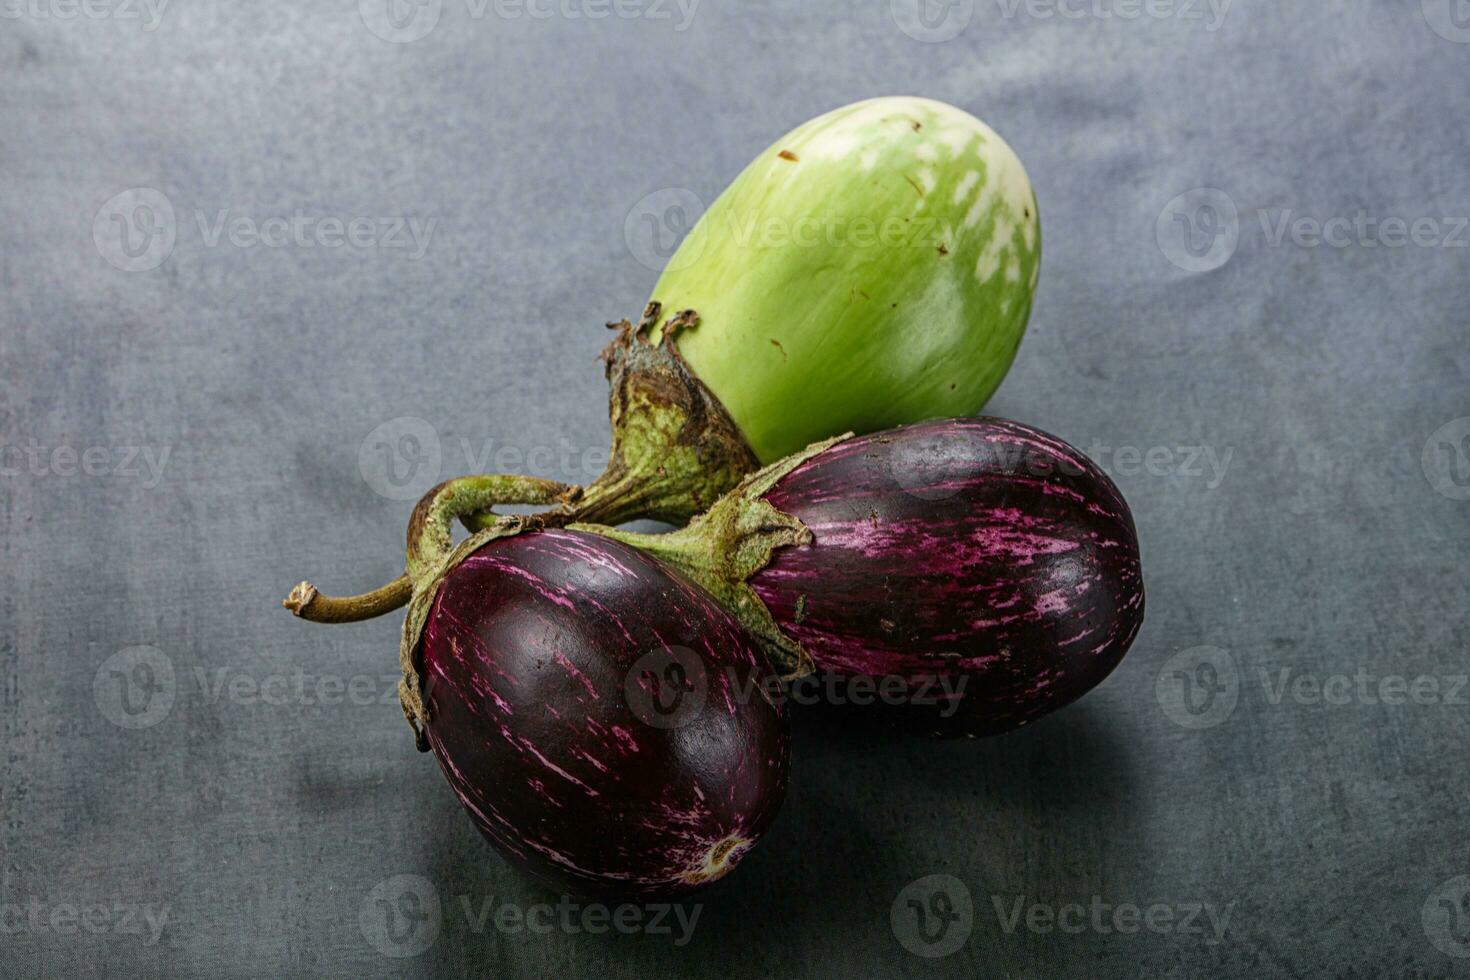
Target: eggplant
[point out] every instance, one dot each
(874, 266)
(981, 571)
(559, 671)
(608, 726)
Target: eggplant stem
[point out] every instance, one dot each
(472, 499)
(310, 604)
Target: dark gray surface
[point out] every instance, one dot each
(1333, 833)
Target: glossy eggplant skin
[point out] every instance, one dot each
(976, 552)
(557, 668)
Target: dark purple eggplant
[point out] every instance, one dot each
(583, 702)
(975, 573)
(610, 728)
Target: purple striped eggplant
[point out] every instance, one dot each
(610, 728)
(973, 574)
(603, 720)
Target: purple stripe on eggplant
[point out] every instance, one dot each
(553, 738)
(976, 551)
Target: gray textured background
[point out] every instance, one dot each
(275, 378)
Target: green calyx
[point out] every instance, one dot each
(873, 267)
(723, 547)
(675, 450)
